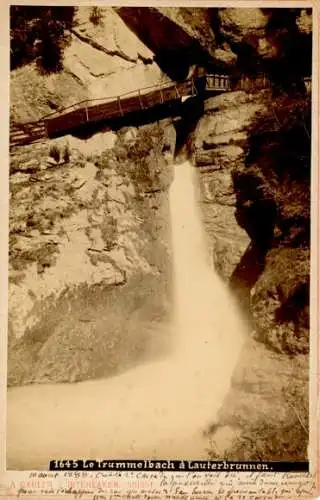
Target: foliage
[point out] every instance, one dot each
(282, 113)
(275, 183)
(39, 34)
(95, 15)
(54, 152)
(66, 153)
(272, 440)
(140, 160)
(278, 437)
(280, 301)
(273, 206)
(290, 56)
(109, 231)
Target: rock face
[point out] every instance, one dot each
(193, 22)
(253, 157)
(103, 60)
(280, 300)
(102, 56)
(273, 193)
(220, 141)
(80, 258)
(238, 24)
(122, 49)
(254, 163)
(257, 418)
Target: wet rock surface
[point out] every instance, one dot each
(220, 141)
(256, 210)
(265, 415)
(81, 239)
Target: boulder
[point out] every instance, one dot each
(280, 301)
(239, 23)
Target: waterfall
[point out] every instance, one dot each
(199, 292)
(210, 329)
(159, 409)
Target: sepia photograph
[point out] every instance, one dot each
(159, 234)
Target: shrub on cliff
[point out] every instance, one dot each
(273, 41)
(39, 34)
(273, 206)
(274, 440)
(96, 15)
(281, 436)
(277, 171)
(280, 301)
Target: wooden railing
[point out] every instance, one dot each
(96, 110)
(218, 82)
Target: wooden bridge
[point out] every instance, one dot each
(92, 111)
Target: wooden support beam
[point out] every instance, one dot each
(161, 94)
(193, 88)
(119, 105)
(140, 100)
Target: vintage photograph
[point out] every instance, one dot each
(159, 234)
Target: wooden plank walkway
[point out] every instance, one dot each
(115, 107)
(92, 111)
(96, 110)
(26, 133)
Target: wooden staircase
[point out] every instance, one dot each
(26, 133)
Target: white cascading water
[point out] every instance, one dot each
(159, 409)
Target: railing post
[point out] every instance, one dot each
(119, 104)
(242, 83)
(140, 101)
(193, 88)
(161, 93)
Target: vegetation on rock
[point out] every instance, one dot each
(273, 205)
(96, 15)
(39, 34)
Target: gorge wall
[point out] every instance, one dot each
(85, 233)
(254, 169)
(91, 227)
(254, 176)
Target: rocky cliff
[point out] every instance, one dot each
(254, 165)
(254, 161)
(85, 231)
(90, 222)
